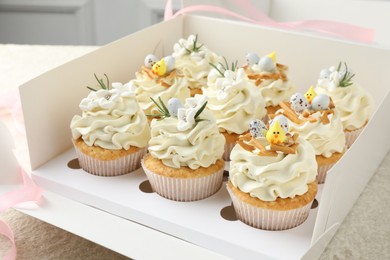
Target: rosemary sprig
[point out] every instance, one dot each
(195, 48)
(162, 109)
(225, 66)
(200, 112)
(346, 80)
(164, 112)
(101, 83)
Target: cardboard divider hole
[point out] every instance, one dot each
(74, 164)
(228, 213)
(146, 187)
(314, 204)
(225, 176)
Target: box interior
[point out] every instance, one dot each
(47, 120)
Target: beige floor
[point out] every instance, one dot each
(365, 233)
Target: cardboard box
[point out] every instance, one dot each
(50, 101)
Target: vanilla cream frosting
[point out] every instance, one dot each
(194, 65)
(273, 91)
(267, 177)
(198, 146)
(354, 104)
(325, 138)
(234, 100)
(147, 88)
(111, 119)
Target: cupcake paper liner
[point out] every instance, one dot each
(269, 219)
(184, 189)
(351, 136)
(115, 167)
(322, 171)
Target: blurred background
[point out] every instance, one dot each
(98, 22)
(85, 22)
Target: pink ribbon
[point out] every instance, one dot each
(29, 192)
(330, 28)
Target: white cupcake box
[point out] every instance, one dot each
(122, 214)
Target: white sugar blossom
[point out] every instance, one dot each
(228, 83)
(196, 102)
(186, 117)
(96, 99)
(104, 98)
(330, 78)
(125, 90)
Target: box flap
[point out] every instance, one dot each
(51, 100)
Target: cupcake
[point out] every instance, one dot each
(318, 122)
(185, 150)
(234, 101)
(354, 104)
(159, 79)
(272, 178)
(271, 78)
(193, 59)
(112, 134)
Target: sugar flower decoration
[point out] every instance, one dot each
(187, 115)
(336, 77)
(106, 96)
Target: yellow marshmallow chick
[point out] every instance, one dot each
(310, 94)
(272, 55)
(159, 68)
(275, 134)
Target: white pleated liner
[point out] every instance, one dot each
(351, 136)
(228, 149)
(322, 171)
(185, 189)
(115, 167)
(269, 219)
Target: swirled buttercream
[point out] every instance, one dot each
(111, 119)
(273, 90)
(354, 104)
(267, 177)
(195, 65)
(164, 87)
(199, 146)
(234, 100)
(325, 138)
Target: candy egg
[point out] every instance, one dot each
(252, 58)
(257, 128)
(170, 63)
(298, 102)
(173, 106)
(267, 64)
(282, 120)
(150, 60)
(320, 102)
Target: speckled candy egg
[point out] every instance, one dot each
(150, 60)
(170, 63)
(298, 102)
(320, 102)
(267, 64)
(257, 128)
(282, 121)
(173, 106)
(252, 58)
